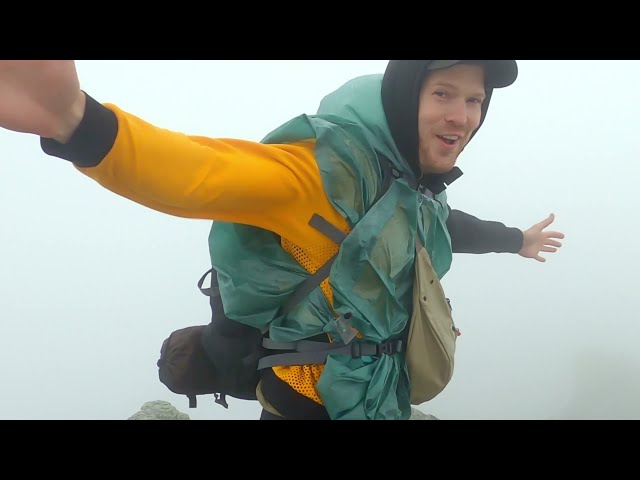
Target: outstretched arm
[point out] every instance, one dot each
(472, 235)
(182, 175)
(469, 234)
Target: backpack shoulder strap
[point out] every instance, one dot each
(389, 175)
(312, 282)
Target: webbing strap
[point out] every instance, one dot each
(211, 291)
(316, 353)
(312, 282)
(389, 175)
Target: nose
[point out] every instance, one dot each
(457, 114)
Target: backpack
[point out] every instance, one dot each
(224, 358)
(220, 358)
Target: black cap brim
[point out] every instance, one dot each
(498, 73)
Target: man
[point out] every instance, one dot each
(414, 122)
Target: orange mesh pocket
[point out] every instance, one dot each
(312, 259)
(302, 379)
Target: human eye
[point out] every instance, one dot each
(441, 94)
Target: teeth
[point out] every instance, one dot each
(451, 137)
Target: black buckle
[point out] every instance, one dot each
(389, 348)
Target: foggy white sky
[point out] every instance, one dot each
(91, 283)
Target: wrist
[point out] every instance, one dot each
(72, 119)
(91, 140)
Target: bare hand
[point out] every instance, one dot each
(41, 97)
(536, 240)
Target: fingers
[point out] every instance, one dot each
(546, 222)
(547, 241)
(552, 243)
(554, 235)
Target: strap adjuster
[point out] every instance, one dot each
(356, 349)
(389, 348)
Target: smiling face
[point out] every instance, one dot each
(449, 112)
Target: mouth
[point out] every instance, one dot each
(449, 141)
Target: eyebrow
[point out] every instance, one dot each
(454, 87)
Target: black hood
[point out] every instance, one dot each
(401, 96)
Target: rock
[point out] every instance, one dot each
(418, 415)
(159, 410)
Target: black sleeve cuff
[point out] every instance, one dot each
(92, 140)
(513, 240)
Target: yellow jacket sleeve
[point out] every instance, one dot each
(275, 187)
